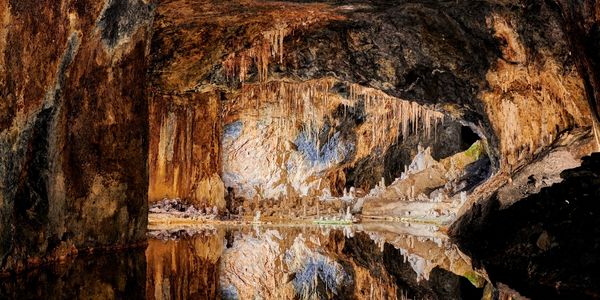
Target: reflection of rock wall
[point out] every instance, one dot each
(250, 268)
(297, 265)
(312, 263)
(108, 276)
(185, 156)
(184, 269)
(73, 126)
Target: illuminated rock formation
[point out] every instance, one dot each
(525, 127)
(315, 94)
(185, 155)
(299, 108)
(426, 190)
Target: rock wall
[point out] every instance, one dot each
(185, 152)
(530, 69)
(581, 21)
(304, 139)
(73, 127)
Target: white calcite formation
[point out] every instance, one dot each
(282, 140)
(167, 208)
(424, 192)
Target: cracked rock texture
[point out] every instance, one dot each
(73, 127)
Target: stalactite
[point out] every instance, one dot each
(394, 117)
(306, 105)
(268, 46)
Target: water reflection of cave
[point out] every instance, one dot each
(309, 139)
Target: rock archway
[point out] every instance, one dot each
(317, 98)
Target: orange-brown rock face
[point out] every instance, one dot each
(73, 127)
(532, 98)
(185, 155)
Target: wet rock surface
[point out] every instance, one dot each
(73, 129)
(545, 245)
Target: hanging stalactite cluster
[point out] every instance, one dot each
(392, 117)
(268, 46)
(307, 105)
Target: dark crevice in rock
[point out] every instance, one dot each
(31, 209)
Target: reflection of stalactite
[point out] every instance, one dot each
(307, 104)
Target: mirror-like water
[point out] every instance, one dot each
(266, 262)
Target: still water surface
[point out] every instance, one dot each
(380, 261)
